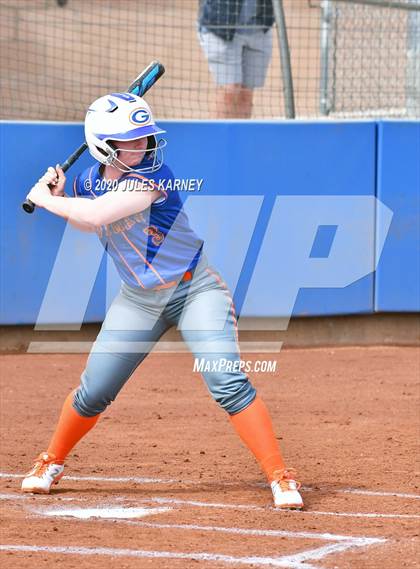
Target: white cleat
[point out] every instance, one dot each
(286, 490)
(43, 475)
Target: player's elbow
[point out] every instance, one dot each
(94, 221)
(85, 227)
(93, 216)
(98, 218)
(82, 212)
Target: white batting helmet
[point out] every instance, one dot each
(121, 116)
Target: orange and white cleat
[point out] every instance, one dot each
(285, 490)
(43, 475)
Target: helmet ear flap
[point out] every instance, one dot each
(151, 144)
(107, 154)
(102, 151)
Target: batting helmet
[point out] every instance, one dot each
(122, 116)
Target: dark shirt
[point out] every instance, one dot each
(221, 17)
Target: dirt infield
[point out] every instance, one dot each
(166, 455)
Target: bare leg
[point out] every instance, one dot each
(233, 102)
(245, 102)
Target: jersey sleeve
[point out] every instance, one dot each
(83, 184)
(76, 190)
(159, 180)
(164, 181)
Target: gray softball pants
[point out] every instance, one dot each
(203, 311)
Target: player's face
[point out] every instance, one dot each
(131, 152)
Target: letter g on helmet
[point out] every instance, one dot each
(140, 117)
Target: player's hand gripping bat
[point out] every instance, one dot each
(139, 86)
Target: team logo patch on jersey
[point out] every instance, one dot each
(157, 236)
(140, 116)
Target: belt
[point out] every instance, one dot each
(187, 276)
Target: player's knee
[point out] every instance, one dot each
(234, 399)
(90, 401)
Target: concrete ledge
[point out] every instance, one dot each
(359, 330)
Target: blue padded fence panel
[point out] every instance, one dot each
(245, 166)
(268, 159)
(29, 243)
(398, 273)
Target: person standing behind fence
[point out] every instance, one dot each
(236, 37)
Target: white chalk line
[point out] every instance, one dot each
(298, 559)
(249, 507)
(293, 561)
(107, 513)
(177, 501)
(138, 553)
(223, 505)
(116, 479)
(216, 529)
(378, 493)
(149, 480)
(363, 515)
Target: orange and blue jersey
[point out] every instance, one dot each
(153, 247)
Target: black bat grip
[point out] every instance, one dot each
(28, 206)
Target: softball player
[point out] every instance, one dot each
(166, 281)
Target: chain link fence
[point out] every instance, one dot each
(370, 58)
(344, 58)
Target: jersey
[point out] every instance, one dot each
(153, 247)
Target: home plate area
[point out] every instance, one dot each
(166, 526)
(163, 482)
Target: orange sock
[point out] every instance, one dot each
(254, 426)
(70, 429)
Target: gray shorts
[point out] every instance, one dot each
(202, 310)
(244, 60)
